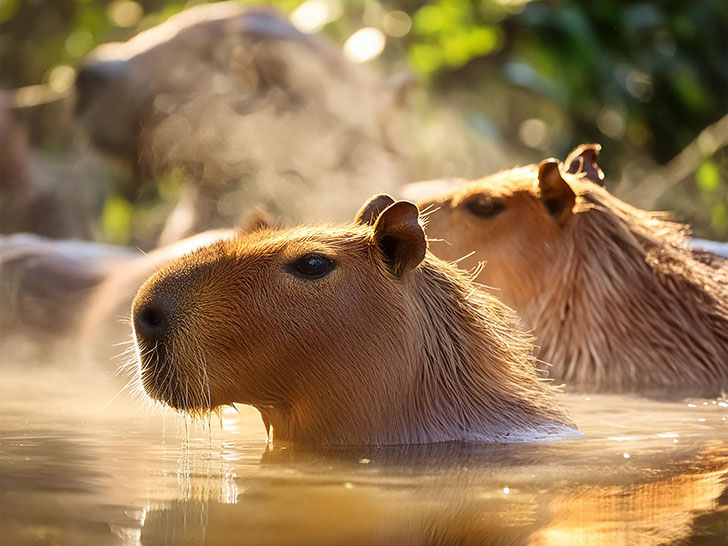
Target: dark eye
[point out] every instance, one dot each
(482, 206)
(313, 266)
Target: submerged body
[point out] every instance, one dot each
(342, 335)
(616, 296)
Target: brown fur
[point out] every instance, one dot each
(104, 326)
(616, 297)
(379, 351)
(249, 107)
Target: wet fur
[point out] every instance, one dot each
(634, 307)
(616, 297)
(363, 358)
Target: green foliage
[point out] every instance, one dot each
(449, 35)
(116, 219)
(708, 177)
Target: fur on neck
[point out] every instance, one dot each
(630, 305)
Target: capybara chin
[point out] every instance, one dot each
(342, 335)
(615, 295)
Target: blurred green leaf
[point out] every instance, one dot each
(483, 40)
(426, 59)
(7, 9)
(170, 183)
(688, 87)
(708, 177)
(116, 219)
(719, 218)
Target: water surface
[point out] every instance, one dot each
(81, 468)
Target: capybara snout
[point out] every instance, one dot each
(341, 334)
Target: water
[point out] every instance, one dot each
(78, 469)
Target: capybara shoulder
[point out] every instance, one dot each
(350, 334)
(616, 296)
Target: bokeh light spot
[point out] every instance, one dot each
(311, 16)
(364, 44)
(60, 78)
(396, 23)
(124, 13)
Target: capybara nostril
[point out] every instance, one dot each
(151, 321)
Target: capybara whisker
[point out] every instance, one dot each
(149, 258)
(462, 258)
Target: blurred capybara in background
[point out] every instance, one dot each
(45, 286)
(352, 334)
(616, 296)
(252, 109)
(56, 294)
(30, 201)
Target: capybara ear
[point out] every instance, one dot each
(583, 159)
(556, 194)
(400, 237)
(371, 210)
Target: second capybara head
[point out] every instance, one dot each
(348, 334)
(615, 295)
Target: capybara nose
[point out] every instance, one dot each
(152, 320)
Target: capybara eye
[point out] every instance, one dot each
(312, 266)
(482, 206)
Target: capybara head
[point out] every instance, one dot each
(249, 107)
(512, 220)
(348, 334)
(220, 51)
(616, 297)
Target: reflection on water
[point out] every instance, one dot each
(646, 472)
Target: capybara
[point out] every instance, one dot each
(352, 334)
(249, 107)
(616, 296)
(31, 199)
(45, 283)
(60, 292)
